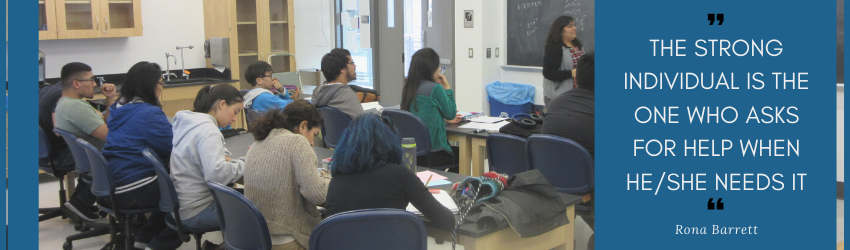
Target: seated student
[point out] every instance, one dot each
(199, 155)
(78, 117)
(367, 173)
(338, 69)
(261, 98)
(571, 115)
(428, 95)
(137, 123)
(281, 176)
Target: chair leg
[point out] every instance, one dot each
(198, 241)
(129, 240)
(49, 213)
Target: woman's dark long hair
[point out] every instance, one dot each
(289, 118)
(141, 82)
(208, 96)
(423, 64)
(554, 37)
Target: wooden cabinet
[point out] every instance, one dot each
(75, 19)
(47, 20)
(256, 28)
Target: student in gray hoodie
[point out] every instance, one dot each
(338, 68)
(199, 155)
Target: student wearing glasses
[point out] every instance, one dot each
(261, 98)
(338, 68)
(78, 117)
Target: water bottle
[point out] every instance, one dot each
(408, 148)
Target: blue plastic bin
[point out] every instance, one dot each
(509, 98)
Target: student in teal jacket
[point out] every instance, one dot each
(428, 95)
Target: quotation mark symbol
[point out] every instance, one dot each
(719, 18)
(719, 204)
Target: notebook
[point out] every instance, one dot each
(442, 197)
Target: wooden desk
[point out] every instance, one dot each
(472, 146)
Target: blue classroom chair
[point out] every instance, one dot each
(335, 122)
(410, 125)
(381, 228)
(242, 224)
(506, 154)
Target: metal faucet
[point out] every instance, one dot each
(182, 62)
(167, 75)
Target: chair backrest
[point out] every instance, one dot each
(564, 162)
(410, 126)
(370, 229)
(103, 184)
(335, 122)
(241, 223)
(43, 144)
(80, 157)
(168, 201)
(507, 154)
(251, 114)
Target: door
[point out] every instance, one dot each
(388, 48)
(78, 19)
(353, 21)
(439, 32)
(121, 18)
(47, 20)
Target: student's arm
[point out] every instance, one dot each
(266, 101)
(425, 202)
(159, 134)
(100, 132)
(312, 187)
(552, 64)
(54, 123)
(445, 102)
(212, 154)
(111, 94)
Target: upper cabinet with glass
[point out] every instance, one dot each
(74, 19)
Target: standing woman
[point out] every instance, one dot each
(559, 61)
(428, 95)
(137, 122)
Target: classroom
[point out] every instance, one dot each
(319, 124)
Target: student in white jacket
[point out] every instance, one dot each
(199, 155)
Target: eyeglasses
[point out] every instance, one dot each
(85, 80)
(351, 62)
(267, 76)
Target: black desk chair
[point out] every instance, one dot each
(242, 224)
(168, 201)
(104, 185)
(335, 122)
(45, 163)
(410, 125)
(83, 168)
(507, 154)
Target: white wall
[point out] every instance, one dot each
(468, 79)
(314, 33)
(166, 23)
(489, 32)
(840, 133)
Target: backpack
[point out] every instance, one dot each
(365, 94)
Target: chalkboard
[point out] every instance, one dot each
(529, 22)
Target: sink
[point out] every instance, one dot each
(193, 80)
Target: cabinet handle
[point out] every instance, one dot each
(106, 24)
(96, 23)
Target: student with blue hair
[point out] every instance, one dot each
(367, 173)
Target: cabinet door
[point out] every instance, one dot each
(122, 18)
(247, 35)
(279, 33)
(78, 19)
(47, 20)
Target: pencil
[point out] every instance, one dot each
(429, 180)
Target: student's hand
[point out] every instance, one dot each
(109, 91)
(277, 84)
(227, 158)
(441, 79)
(457, 119)
(574, 72)
(325, 174)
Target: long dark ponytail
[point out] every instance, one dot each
(423, 63)
(210, 95)
(554, 37)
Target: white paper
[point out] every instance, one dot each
(444, 199)
(490, 127)
(487, 119)
(372, 105)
